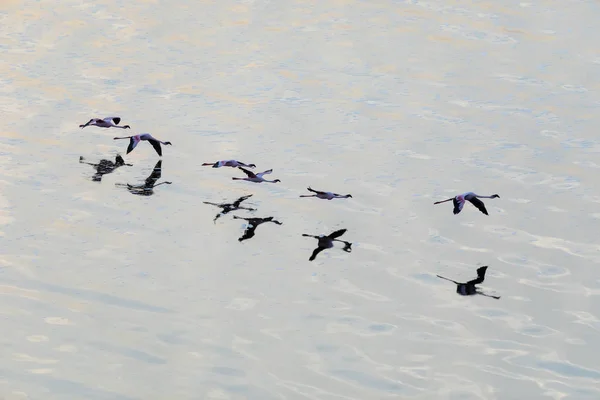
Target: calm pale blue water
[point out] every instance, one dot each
(109, 294)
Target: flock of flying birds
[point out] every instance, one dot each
(324, 241)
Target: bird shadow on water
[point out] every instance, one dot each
(326, 242)
(147, 188)
(253, 223)
(229, 207)
(469, 288)
(104, 167)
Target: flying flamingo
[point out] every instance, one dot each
(325, 195)
(229, 163)
(326, 242)
(468, 288)
(104, 166)
(109, 122)
(258, 178)
(253, 223)
(459, 201)
(134, 140)
(229, 207)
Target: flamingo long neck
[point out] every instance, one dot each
(443, 201)
(482, 197)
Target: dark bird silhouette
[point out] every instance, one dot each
(229, 207)
(104, 166)
(325, 195)
(147, 188)
(326, 242)
(469, 288)
(134, 140)
(459, 201)
(253, 223)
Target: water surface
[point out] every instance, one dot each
(109, 294)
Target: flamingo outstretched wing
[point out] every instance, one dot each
(479, 204)
(248, 233)
(264, 173)
(239, 201)
(459, 203)
(156, 145)
(247, 172)
(480, 276)
(315, 252)
(336, 234)
(156, 172)
(315, 191)
(87, 123)
(133, 141)
(114, 120)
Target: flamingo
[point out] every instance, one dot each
(258, 178)
(228, 207)
(325, 195)
(147, 188)
(253, 223)
(104, 166)
(459, 201)
(468, 288)
(326, 242)
(109, 122)
(229, 163)
(134, 140)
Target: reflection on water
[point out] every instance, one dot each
(326, 242)
(147, 188)
(104, 167)
(469, 288)
(226, 208)
(110, 296)
(253, 223)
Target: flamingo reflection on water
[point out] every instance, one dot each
(326, 242)
(104, 166)
(228, 207)
(147, 188)
(253, 223)
(469, 288)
